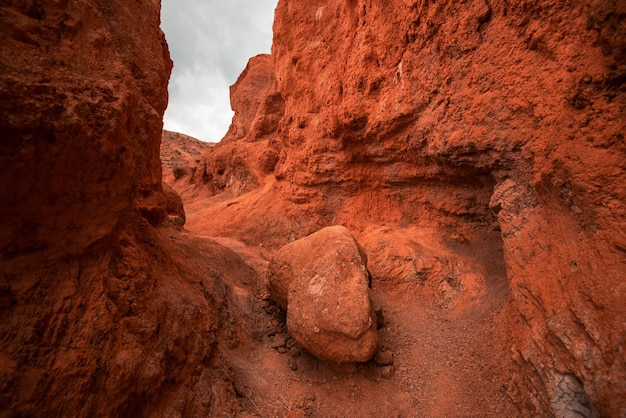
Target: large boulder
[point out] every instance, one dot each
(323, 283)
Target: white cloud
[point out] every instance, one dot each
(210, 43)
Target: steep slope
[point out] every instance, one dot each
(477, 152)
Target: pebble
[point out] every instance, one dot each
(387, 372)
(384, 358)
(279, 341)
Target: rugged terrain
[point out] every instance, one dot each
(480, 161)
(180, 154)
(475, 151)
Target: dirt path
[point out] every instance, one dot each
(445, 363)
(446, 356)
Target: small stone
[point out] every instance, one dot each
(281, 350)
(384, 358)
(387, 372)
(294, 352)
(279, 341)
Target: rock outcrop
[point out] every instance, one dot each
(180, 154)
(249, 150)
(64, 113)
(482, 123)
(99, 316)
(257, 103)
(322, 281)
(475, 149)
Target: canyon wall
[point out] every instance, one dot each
(92, 297)
(473, 119)
(507, 116)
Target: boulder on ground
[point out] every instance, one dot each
(322, 282)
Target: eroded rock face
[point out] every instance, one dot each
(180, 154)
(249, 150)
(454, 106)
(322, 282)
(80, 137)
(257, 103)
(98, 316)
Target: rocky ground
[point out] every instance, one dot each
(440, 351)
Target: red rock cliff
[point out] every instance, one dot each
(83, 91)
(92, 299)
(471, 118)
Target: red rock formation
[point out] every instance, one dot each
(490, 126)
(257, 104)
(180, 154)
(98, 316)
(244, 162)
(58, 101)
(235, 166)
(476, 150)
(323, 283)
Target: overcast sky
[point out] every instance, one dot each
(210, 43)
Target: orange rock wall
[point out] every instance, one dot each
(83, 93)
(98, 317)
(503, 115)
(257, 103)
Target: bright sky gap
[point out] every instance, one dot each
(210, 42)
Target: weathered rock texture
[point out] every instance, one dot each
(180, 154)
(258, 104)
(249, 150)
(98, 317)
(322, 282)
(477, 120)
(63, 110)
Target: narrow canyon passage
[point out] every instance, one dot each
(474, 149)
(438, 277)
(443, 322)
